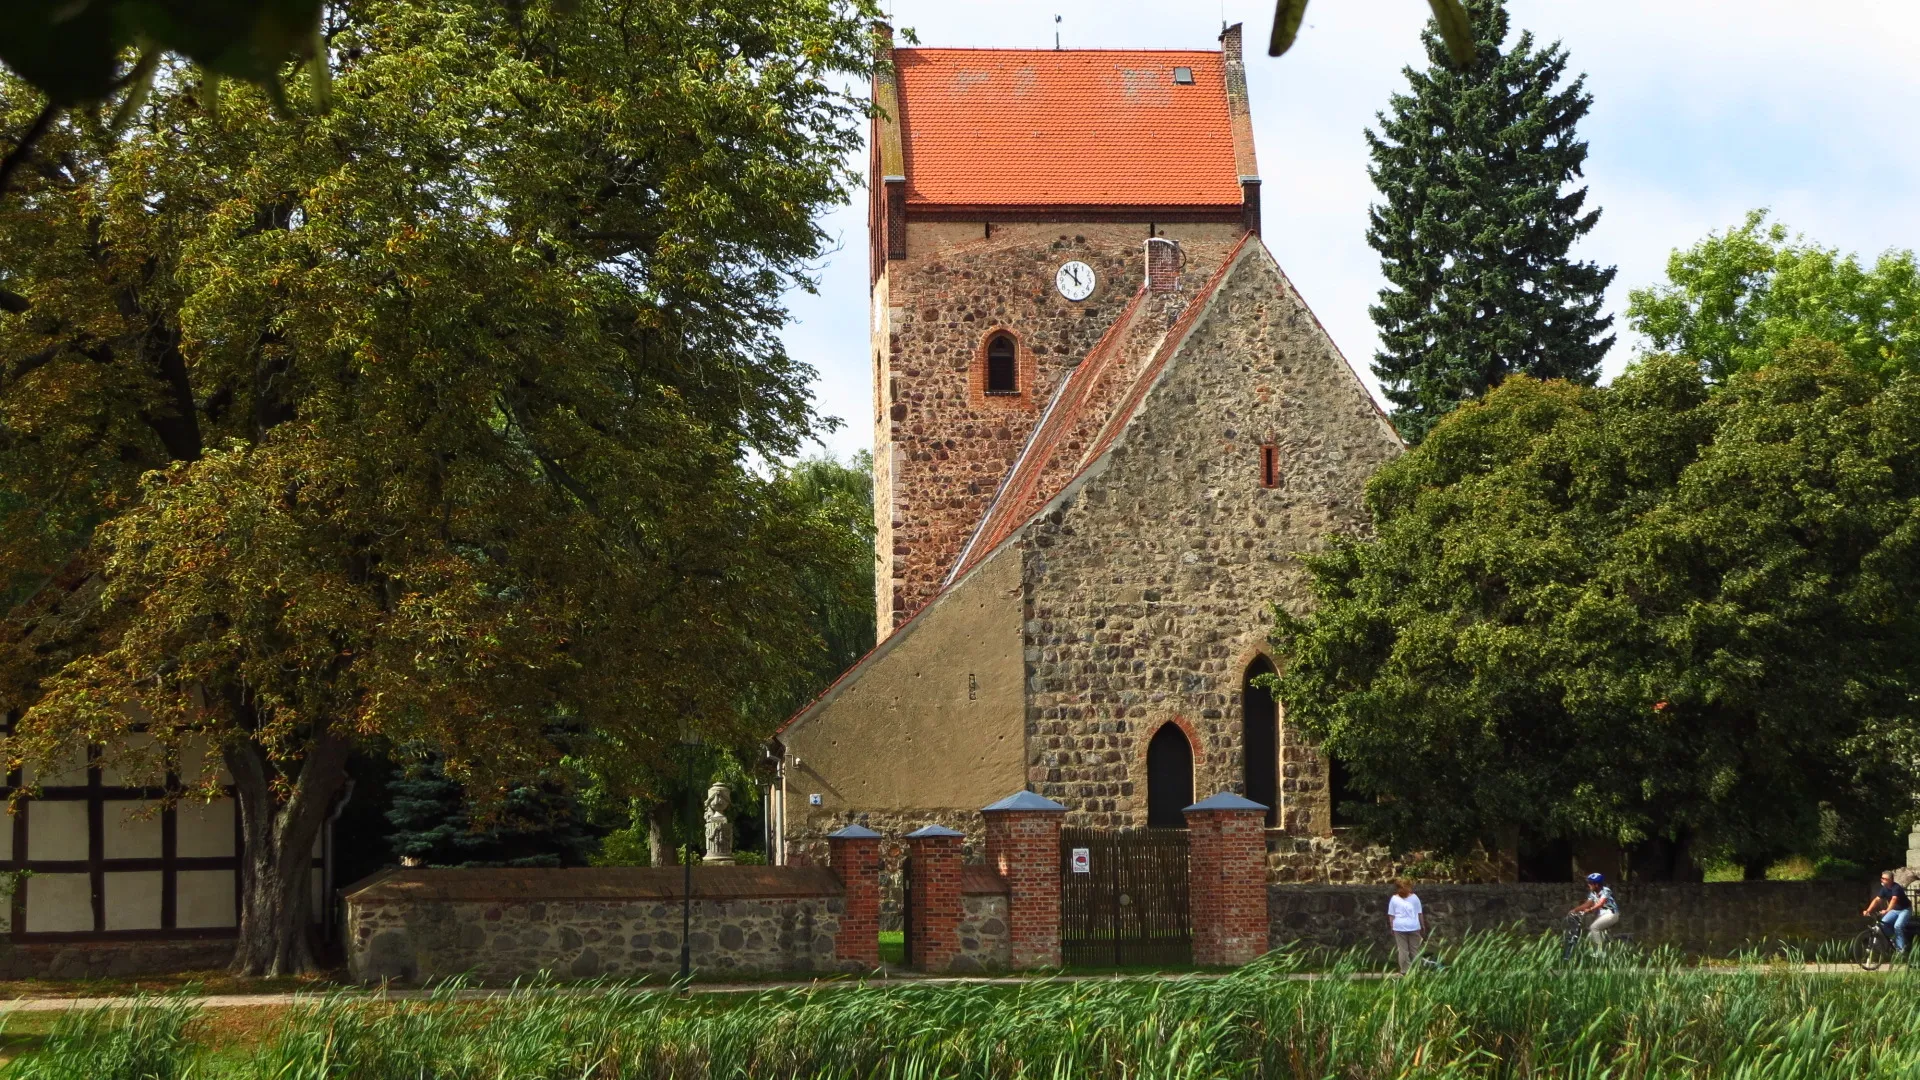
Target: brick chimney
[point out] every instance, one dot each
(1164, 262)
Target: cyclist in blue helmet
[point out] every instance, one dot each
(1599, 899)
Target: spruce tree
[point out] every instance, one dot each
(1476, 224)
(434, 822)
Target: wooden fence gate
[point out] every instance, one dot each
(1123, 897)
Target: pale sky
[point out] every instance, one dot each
(1702, 110)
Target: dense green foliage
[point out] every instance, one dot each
(1499, 1009)
(427, 419)
(434, 822)
(72, 52)
(839, 586)
(1734, 300)
(1656, 609)
(1475, 227)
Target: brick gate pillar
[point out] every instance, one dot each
(855, 853)
(1227, 879)
(1023, 844)
(935, 932)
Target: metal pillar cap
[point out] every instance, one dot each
(1024, 800)
(1226, 800)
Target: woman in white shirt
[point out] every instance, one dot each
(1408, 920)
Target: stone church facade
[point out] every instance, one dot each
(1105, 426)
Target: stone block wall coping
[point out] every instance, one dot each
(981, 880)
(600, 883)
(1024, 800)
(934, 832)
(1225, 800)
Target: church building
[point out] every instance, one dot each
(1105, 427)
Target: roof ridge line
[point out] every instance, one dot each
(1169, 344)
(1109, 340)
(1183, 326)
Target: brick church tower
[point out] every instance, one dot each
(1014, 194)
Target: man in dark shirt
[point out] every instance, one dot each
(1898, 909)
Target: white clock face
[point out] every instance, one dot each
(1075, 280)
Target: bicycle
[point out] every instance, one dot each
(1612, 942)
(1873, 946)
(1572, 931)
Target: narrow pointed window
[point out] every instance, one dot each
(1269, 466)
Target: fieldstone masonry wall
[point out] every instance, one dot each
(1710, 919)
(983, 933)
(1338, 860)
(1150, 577)
(940, 447)
(499, 925)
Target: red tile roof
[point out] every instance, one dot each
(1077, 127)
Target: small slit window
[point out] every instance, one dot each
(1269, 466)
(1183, 76)
(1002, 365)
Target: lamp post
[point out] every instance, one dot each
(689, 744)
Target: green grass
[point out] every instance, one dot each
(893, 946)
(1499, 1008)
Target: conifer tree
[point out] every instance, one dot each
(434, 822)
(1476, 224)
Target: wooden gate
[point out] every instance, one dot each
(1125, 905)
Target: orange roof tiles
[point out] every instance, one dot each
(1077, 127)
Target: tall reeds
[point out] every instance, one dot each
(1497, 1007)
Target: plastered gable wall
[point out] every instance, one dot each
(941, 447)
(931, 728)
(1150, 577)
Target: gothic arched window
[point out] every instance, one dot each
(1260, 740)
(1169, 778)
(1003, 367)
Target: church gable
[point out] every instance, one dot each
(1080, 419)
(1150, 574)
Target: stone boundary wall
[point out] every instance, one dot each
(1337, 858)
(1702, 919)
(500, 925)
(984, 942)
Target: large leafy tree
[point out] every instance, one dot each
(840, 585)
(1735, 299)
(423, 420)
(1476, 226)
(837, 588)
(1650, 611)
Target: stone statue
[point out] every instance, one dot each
(719, 829)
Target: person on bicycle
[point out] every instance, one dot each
(1897, 913)
(1600, 899)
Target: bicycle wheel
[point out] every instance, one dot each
(1870, 949)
